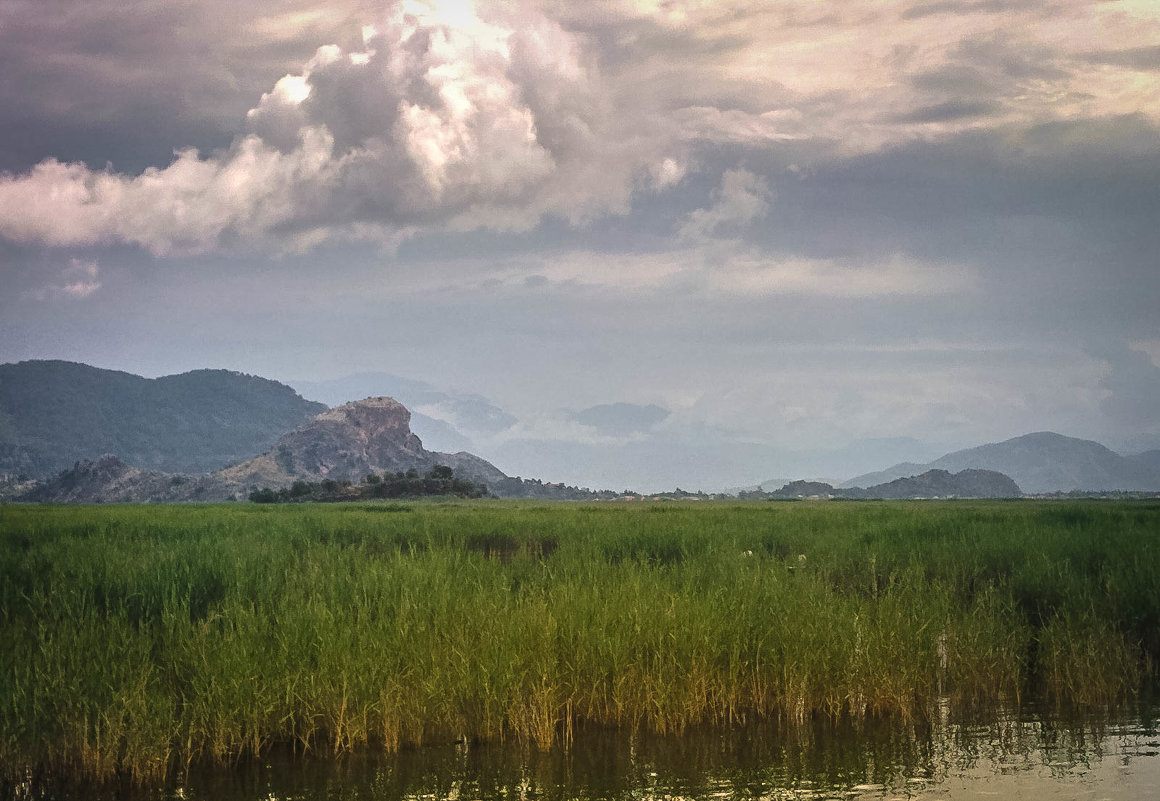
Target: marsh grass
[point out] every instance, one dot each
(140, 639)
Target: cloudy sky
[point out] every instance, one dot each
(714, 238)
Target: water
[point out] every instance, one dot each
(1035, 757)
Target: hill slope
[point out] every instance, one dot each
(342, 444)
(1041, 462)
(54, 414)
(1150, 459)
(109, 480)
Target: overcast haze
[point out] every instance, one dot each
(695, 243)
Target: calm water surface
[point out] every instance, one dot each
(1033, 757)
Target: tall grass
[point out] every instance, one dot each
(139, 639)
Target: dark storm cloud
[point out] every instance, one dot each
(947, 112)
(989, 65)
(927, 9)
(438, 118)
(956, 79)
(1098, 179)
(461, 121)
(1137, 58)
(130, 81)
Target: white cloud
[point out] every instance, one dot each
(668, 172)
(832, 278)
(76, 281)
(443, 119)
(1148, 346)
(185, 207)
(719, 270)
(742, 198)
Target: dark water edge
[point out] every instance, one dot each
(1028, 754)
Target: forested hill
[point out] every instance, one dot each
(55, 413)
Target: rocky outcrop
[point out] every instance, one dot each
(350, 441)
(344, 444)
(109, 480)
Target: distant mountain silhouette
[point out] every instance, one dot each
(55, 413)
(1040, 462)
(931, 484)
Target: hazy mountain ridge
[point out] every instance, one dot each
(1040, 463)
(60, 414)
(930, 484)
(56, 413)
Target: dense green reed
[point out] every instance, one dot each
(138, 639)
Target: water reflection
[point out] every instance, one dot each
(1014, 756)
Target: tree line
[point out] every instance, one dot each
(439, 480)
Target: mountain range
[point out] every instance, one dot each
(931, 484)
(195, 435)
(1041, 463)
(346, 443)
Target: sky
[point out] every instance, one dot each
(703, 243)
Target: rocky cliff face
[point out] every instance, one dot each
(350, 441)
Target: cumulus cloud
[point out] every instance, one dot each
(185, 207)
(449, 115)
(441, 118)
(742, 198)
(75, 281)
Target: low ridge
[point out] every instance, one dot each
(931, 484)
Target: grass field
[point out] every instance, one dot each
(136, 639)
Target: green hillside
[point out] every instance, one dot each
(54, 413)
